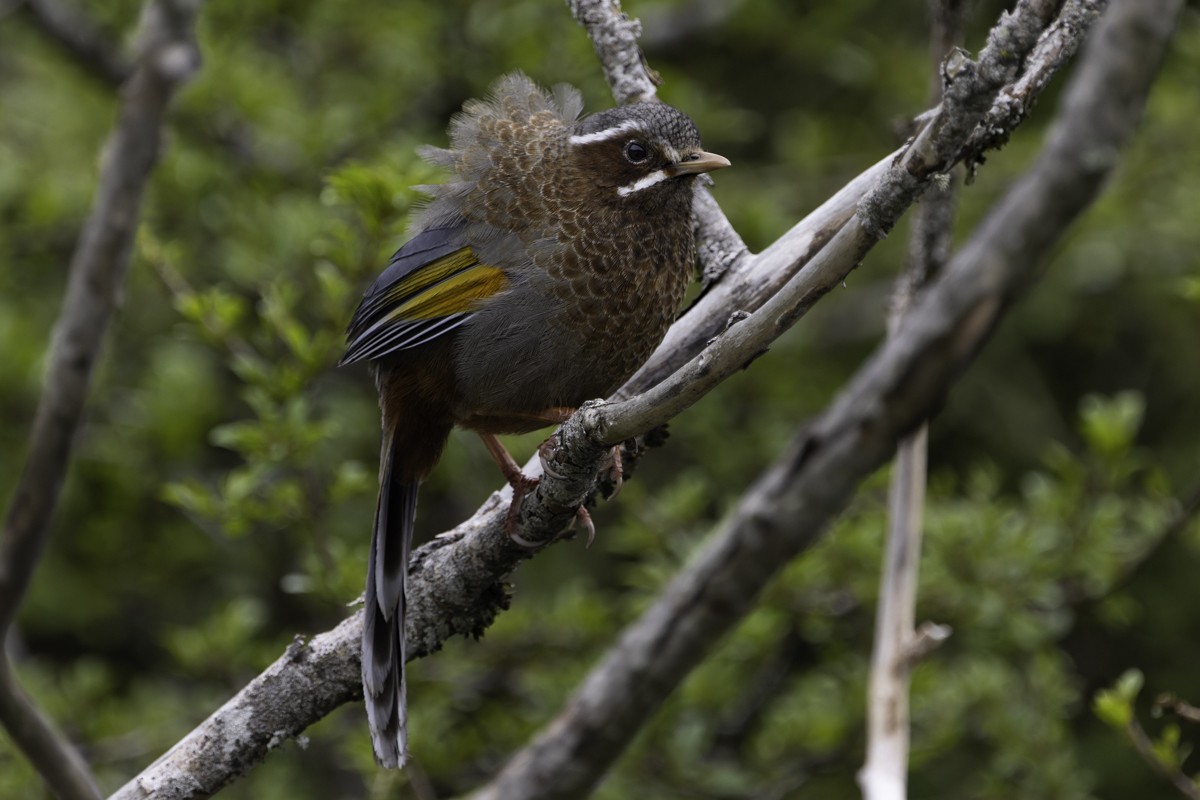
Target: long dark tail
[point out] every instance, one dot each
(383, 648)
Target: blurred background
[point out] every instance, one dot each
(222, 491)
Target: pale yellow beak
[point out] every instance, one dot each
(697, 163)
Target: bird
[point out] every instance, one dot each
(542, 274)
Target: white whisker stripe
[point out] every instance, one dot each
(606, 134)
(658, 176)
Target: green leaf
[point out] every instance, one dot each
(1110, 424)
(1115, 706)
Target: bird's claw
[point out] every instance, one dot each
(543, 452)
(616, 471)
(585, 520)
(521, 487)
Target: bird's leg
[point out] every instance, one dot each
(521, 483)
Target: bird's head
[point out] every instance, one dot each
(641, 152)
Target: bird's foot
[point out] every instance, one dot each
(543, 453)
(521, 485)
(582, 516)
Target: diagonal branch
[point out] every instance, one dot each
(168, 57)
(971, 88)
(751, 280)
(91, 47)
(455, 581)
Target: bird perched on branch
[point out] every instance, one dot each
(543, 274)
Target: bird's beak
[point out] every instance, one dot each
(696, 163)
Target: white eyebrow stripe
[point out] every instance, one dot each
(606, 134)
(658, 176)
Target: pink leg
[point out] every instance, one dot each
(521, 483)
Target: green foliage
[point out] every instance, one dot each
(221, 496)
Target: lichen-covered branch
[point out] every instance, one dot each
(307, 682)
(615, 35)
(970, 89)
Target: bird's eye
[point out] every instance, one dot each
(636, 152)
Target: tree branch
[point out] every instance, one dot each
(971, 88)
(1016, 101)
(88, 45)
(307, 682)
(455, 581)
(1185, 785)
(750, 280)
(614, 36)
(167, 58)
(884, 773)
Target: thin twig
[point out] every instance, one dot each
(168, 57)
(1145, 748)
(1177, 706)
(884, 775)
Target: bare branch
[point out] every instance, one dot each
(971, 87)
(53, 757)
(306, 683)
(1145, 748)
(884, 775)
(747, 281)
(615, 38)
(168, 57)
(91, 47)
(1057, 46)
(1178, 706)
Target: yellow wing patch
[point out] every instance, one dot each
(452, 285)
(431, 273)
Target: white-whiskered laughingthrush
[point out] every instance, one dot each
(543, 274)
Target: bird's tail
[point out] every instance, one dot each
(383, 648)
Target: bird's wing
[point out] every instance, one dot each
(433, 284)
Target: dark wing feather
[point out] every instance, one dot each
(431, 286)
